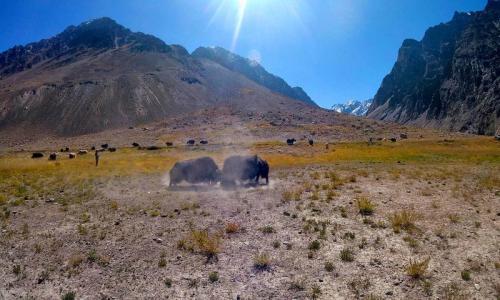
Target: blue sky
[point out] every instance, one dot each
(335, 49)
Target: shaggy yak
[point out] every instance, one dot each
(244, 168)
(200, 170)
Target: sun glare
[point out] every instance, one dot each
(242, 5)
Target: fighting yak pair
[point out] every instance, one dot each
(239, 169)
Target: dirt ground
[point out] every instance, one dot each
(303, 236)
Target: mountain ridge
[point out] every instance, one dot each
(100, 75)
(353, 107)
(450, 79)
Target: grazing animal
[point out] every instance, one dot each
(82, 152)
(393, 140)
(37, 155)
(134, 144)
(244, 168)
(153, 148)
(104, 146)
(71, 155)
(199, 170)
(203, 142)
(403, 136)
(53, 156)
(190, 142)
(112, 149)
(93, 148)
(311, 142)
(291, 142)
(169, 144)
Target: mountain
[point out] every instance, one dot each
(353, 107)
(253, 71)
(450, 79)
(100, 75)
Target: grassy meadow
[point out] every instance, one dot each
(24, 178)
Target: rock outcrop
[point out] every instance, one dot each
(450, 79)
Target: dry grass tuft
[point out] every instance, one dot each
(262, 262)
(365, 206)
(404, 220)
(416, 269)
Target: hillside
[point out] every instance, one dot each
(450, 79)
(100, 75)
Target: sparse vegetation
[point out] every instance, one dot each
(314, 245)
(416, 269)
(465, 274)
(329, 267)
(262, 261)
(213, 277)
(69, 296)
(404, 220)
(232, 228)
(365, 206)
(267, 229)
(347, 255)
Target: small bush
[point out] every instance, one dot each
(365, 206)
(416, 269)
(114, 205)
(75, 260)
(347, 255)
(276, 244)
(213, 277)
(454, 218)
(92, 256)
(413, 243)
(162, 263)
(314, 245)
(298, 285)
(262, 262)
(465, 274)
(232, 228)
(206, 243)
(168, 282)
(69, 296)
(315, 291)
(267, 229)
(329, 266)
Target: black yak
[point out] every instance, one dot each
(199, 170)
(244, 168)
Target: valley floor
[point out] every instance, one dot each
(413, 219)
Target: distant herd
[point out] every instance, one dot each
(190, 142)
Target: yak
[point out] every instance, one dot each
(199, 170)
(291, 142)
(244, 168)
(37, 155)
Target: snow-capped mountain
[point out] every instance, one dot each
(353, 107)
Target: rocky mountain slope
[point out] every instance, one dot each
(253, 71)
(353, 107)
(450, 79)
(100, 75)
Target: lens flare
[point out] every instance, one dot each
(242, 5)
